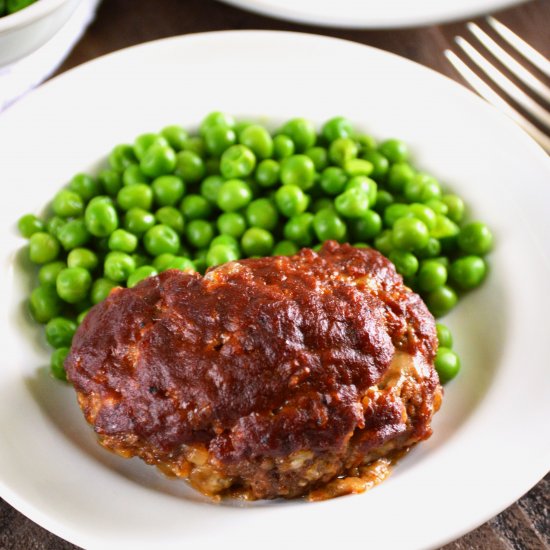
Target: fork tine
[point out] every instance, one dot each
(537, 59)
(510, 63)
(491, 96)
(504, 83)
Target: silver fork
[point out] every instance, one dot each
(504, 84)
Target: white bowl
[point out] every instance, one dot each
(25, 31)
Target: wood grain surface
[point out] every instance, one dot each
(121, 23)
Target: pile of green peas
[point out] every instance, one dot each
(11, 6)
(173, 200)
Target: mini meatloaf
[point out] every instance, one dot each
(266, 377)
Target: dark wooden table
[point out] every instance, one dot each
(121, 23)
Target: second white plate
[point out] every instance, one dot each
(372, 13)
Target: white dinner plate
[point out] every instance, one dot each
(371, 14)
(491, 439)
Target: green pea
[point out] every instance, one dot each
(57, 362)
(216, 119)
(431, 250)
(101, 288)
(319, 157)
(67, 204)
(210, 188)
(138, 221)
(439, 207)
(189, 166)
(140, 274)
(475, 238)
(137, 195)
(199, 233)
(399, 175)
(384, 242)
(333, 180)
(468, 272)
(82, 257)
(232, 223)
(44, 304)
(394, 150)
(290, 200)
(220, 254)
(175, 135)
(380, 164)
(366, 185)
(337, 128)
(195, 207)
(410, 234)
(257, 242)
(182, 264)
(73, 234)
(329, 226)
(283, 147)
(118, 266)
(455, 206)
(122, 241)
(395, 212)
(441, 300)
(285, 248)
(172, 217)
(218, 139)
(262, 213)
(302, 133)
(29, 224)
(144, 142)
(444, 228)
(162, 261)
(237, 162)
(298, 170)
(60, 332)
(161, 239)
(43, 248)
(196, 145)
(134, 174)
(73, 284)
(424, 213)
(258, 140)
(234, 195)
(447, 364)
(342, 150)
(101, 219)
(358, 167)
(352, 203)
(405, 263)
(299, 229)
(431, 276)
(48, 273)
(267, 173)
(85, 185)
(444, 336)
(367, 227)
(13, 6)
(226, 240)
(121, 157)
(110, 181)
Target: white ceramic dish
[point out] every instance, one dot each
(491, 441)
(372, 13)
(25, 31)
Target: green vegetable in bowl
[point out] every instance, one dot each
(174, 200)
